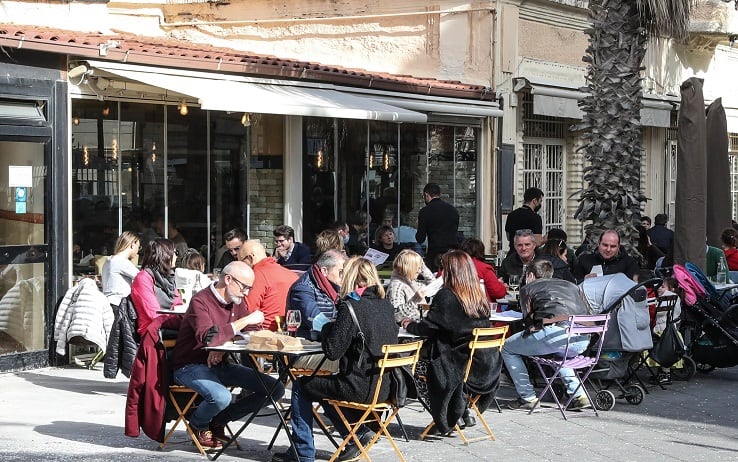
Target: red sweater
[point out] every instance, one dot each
(731, 255)
(207, 323)
(272, 282)
(492, 285)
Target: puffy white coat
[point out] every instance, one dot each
(84, 312)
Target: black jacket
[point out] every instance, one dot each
(358, 373)
(123, 341)
(439, 222)
(560, 267)
(621, 263)
(448, 330)
(547, 298)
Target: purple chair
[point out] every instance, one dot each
(582, 364)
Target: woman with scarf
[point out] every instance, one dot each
(457, 309)
(405, 292)
(153, 287)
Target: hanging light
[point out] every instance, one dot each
(371, 160)
(75, 120)
(115, 149)
(183, 110)
(85, 156)
(320, 161)
(246, 119)
(153, 152)
(106, 110)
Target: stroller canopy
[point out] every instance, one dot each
(630, 325)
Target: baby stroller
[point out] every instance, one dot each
(709, 328)
(626, 337)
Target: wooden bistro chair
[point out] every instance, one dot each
(399, 355)
(184, 400)
(483, 338)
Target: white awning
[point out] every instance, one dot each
(731, 114)
(558, 101)
(222, 92)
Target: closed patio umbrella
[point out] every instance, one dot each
(718, 173)
(691, 188)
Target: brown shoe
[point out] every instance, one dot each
(218, 432)
(206, 440)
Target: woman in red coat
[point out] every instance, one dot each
(492, 285)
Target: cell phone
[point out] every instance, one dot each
(597, 269)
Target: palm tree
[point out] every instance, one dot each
(620, 30)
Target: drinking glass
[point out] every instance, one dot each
(514, 282)
(293, 322)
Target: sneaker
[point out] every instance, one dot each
(206, 440)
(218, 432)
(522, 404)
(288, 456)
(581, 402)
(352, 451)
(664, 378)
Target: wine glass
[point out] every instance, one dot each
(293, 322)
(514, 283)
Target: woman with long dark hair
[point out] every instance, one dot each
(153, 288)
(457, 309)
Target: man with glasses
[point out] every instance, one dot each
(290, 254)
(526, 216)
(271, 283)
(233, 240)
(524, 253)
(214, 317)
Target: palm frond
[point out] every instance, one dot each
(666, 18)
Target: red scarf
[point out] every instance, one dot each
(324, 284)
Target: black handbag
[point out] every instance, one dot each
(669, 348)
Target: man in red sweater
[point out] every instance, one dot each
(215, 315)
(271, 284)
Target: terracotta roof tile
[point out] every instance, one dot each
(171, 52)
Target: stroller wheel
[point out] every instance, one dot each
(605, 400)
(687, 371)
(634, 394)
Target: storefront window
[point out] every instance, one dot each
(319, 169)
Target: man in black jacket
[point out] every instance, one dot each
(545, 303)
(609, 256)
(526, 216)
(439, 222)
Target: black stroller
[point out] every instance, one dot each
(626, 338)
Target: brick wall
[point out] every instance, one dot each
(267, 204)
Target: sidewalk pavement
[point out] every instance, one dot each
(66, 414)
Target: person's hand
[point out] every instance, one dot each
(257, 317)
(404, 323)
(590, 275)
(215, 358)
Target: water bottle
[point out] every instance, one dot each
(722, 272)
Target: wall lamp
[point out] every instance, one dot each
(246, 119)
(733, 38)
(183, 110)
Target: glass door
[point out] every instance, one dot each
(23, 246)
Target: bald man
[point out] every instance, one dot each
(215, 315)
(272, 283)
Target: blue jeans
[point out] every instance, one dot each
(549, 340)
(302, 421)
(212, 384)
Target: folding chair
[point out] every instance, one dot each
(578, 325)
(184, 400)
(399, 355)
(665, 304)
(484, 338)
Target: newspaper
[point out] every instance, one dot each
(376, 257)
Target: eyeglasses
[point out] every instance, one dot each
(524, 232)
(243, 287)
(280, 241)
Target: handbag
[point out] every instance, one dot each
(670, 346)
(399, 376)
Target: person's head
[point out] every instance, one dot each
(460, 277)
(342, 228)
(645, 221)
(234, 239)
(159, 255)
(252, 252)
(430, 192)
(533, 198)
(729, 238)
(331, 263)
(408, 264)
(385, 236)
(557, 233)
(284, 237)
(328, 239)
(193, 260)
(609, 244)
(555, 247)
(661, 219)
(236, 281)
(360, 272)
(474, 247)
(525, 245)
(539, 269)
(127, 244)
(358, 220)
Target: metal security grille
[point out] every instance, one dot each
(535, 125)
(543, 167)
(733, 157)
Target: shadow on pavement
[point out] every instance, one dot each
(76, 385)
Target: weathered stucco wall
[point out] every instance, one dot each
(551, 43)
